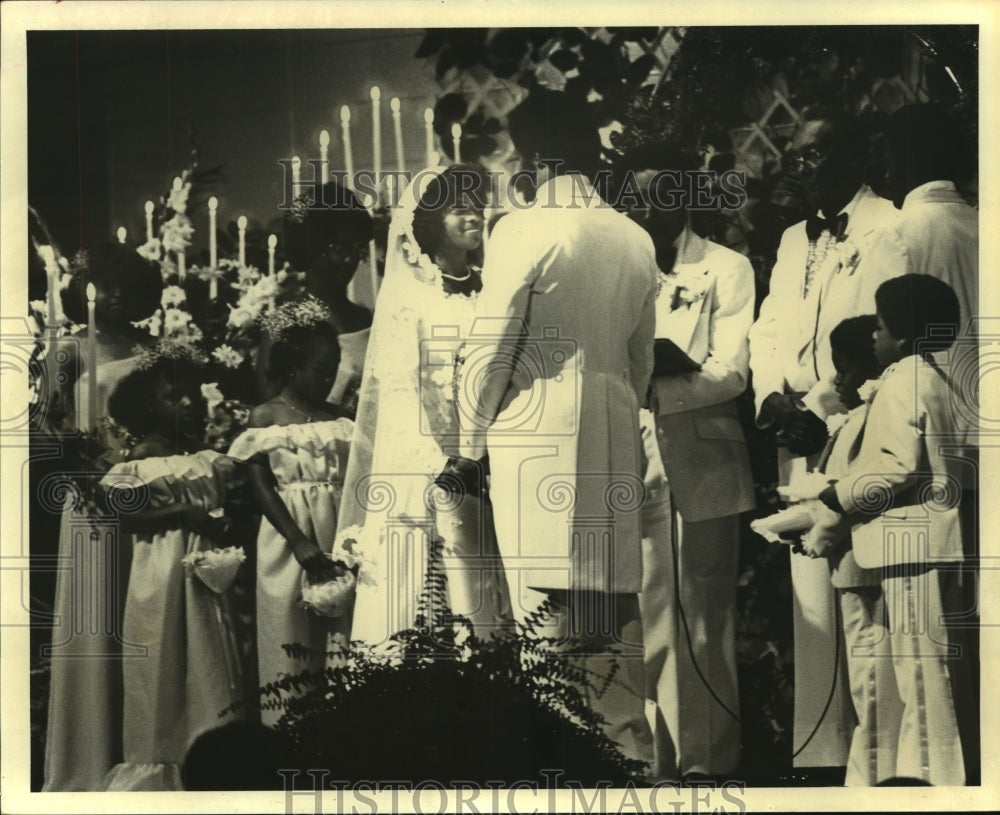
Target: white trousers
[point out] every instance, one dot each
(823, 722)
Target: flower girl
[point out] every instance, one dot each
(297, 450)
(169, 502)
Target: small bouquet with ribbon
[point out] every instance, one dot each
(216, 568)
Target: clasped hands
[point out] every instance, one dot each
(799, 429)
(467, 473)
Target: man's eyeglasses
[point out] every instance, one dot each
(807, 160)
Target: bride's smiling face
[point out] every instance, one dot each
(463, 227)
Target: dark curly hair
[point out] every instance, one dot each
(140, 280)
(853, 339)
(458, 185)
(293, 347)
(129, 403)
(338, 217)
(921, 310)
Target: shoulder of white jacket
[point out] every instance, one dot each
(722, 260)
(875, 212)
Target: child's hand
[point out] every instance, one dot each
(200, 521)
(313, 560)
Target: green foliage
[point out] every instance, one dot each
(439, 703)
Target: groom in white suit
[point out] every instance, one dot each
(826, 271)
(558, 363)
(705, 307)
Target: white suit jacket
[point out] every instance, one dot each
(937, 234)
(904, 487)
(557, 364)
(790, 341)
(701, 440)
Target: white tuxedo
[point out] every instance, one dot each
(790, 341)
(704, 455)
(790, 353)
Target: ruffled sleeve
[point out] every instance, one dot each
(165, 480)
(299, 452)
(316, 438)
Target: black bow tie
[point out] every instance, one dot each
(835, 226)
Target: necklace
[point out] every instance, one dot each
(284, 401)
(466, 276)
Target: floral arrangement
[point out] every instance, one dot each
(437, 699)
(308, 311)
(331, 598)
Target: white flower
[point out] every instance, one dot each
(175, 320)
(178, 198)
(242, 315)
(211, 394)
(152, 324)
(868, 389)
(173, 296)
(177, 233)
(264, 289)
(849, 255)
(150, 250)
(329, 599)
(357, 546)
(247, 274)
(835, 421)
(228, 356)
(38, 307)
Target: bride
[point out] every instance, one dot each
(404, 518)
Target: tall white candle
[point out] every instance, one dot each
(377, 133)
(272, 242)
(213, 249)
(149, 220)
(429, 136)
(397, 128)
(324, 155)
(390, 191)
(456, 138)
(345, 124)
(241, 225)
(92, 404)
(296, 174)
(122, 234)
(181, 266)
(52, 272)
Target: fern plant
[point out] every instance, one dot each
(437, 702)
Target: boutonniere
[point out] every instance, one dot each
(869, 388)
(849, 256)
(687, 288)
(835, 422)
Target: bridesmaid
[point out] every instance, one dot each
(296, 449)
